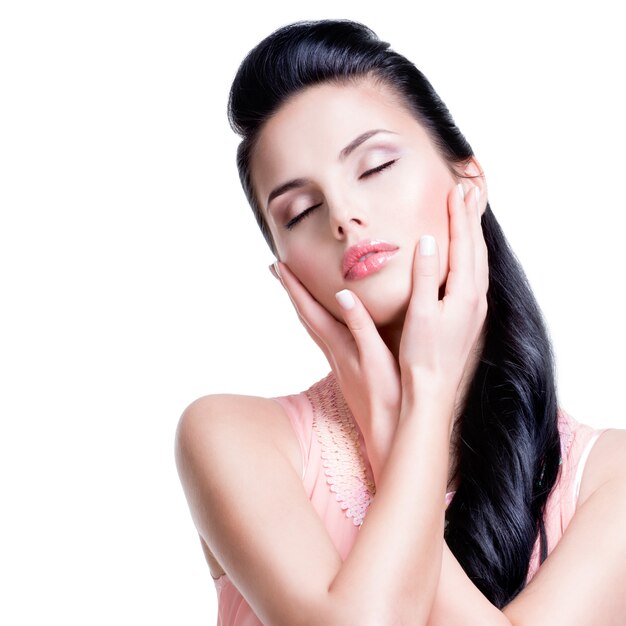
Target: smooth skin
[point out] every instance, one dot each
(283, 531)
(344, 199)
(239, 453)
(366, 369)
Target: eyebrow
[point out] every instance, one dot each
(351, 147)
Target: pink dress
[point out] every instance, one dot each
(338, 479)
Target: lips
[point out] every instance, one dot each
(354, 254)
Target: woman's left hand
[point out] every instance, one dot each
(440, 337)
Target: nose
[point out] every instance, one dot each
(344, 216)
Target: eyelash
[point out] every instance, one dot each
(292, 222)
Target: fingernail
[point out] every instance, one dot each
(427, 245)
(461, 191)
(345, 299)
(272, 270)
(277, 270)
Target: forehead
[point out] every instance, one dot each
(309, 130)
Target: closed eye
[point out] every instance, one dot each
(377, 169)
(292, 222)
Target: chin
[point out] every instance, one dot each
(390, 319)
(388, 309)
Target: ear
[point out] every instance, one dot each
(474, 172)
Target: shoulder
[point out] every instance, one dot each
(606, 462)
(236, 423)
(250, 509)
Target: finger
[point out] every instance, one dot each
(481, 264)
(330, 331)
(461, 276)
(360, 323)
(424, 301)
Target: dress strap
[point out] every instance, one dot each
(583, 460)
(295, 406)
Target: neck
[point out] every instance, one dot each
(391, 335)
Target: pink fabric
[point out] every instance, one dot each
(576, 442)
(337, 478)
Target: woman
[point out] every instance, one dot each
(428, 476)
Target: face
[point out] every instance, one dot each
(344, 200)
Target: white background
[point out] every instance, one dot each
(134, 278)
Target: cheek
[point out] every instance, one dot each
(433, 218)
(316, 281)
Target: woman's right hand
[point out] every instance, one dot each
(365, 368)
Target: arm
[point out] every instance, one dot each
(581, 582)
(249, 507)
(227, 461)
(457, 601)
(437, 338)
(548, 599)
(391, 577)
(400, 588)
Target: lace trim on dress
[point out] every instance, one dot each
(338, 435)
(565, 431)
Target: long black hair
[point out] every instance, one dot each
(509, 446)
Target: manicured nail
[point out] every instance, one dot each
(272, 270)
(461, 191)
(345, 299)
(277, 270)
(427, 245)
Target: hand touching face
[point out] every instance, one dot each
(438, 339)
(329, 192)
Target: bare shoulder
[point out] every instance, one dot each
(606, 462)
(238, 459)
(224, 419)
(228, 416)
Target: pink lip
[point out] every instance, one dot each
(354, 268)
